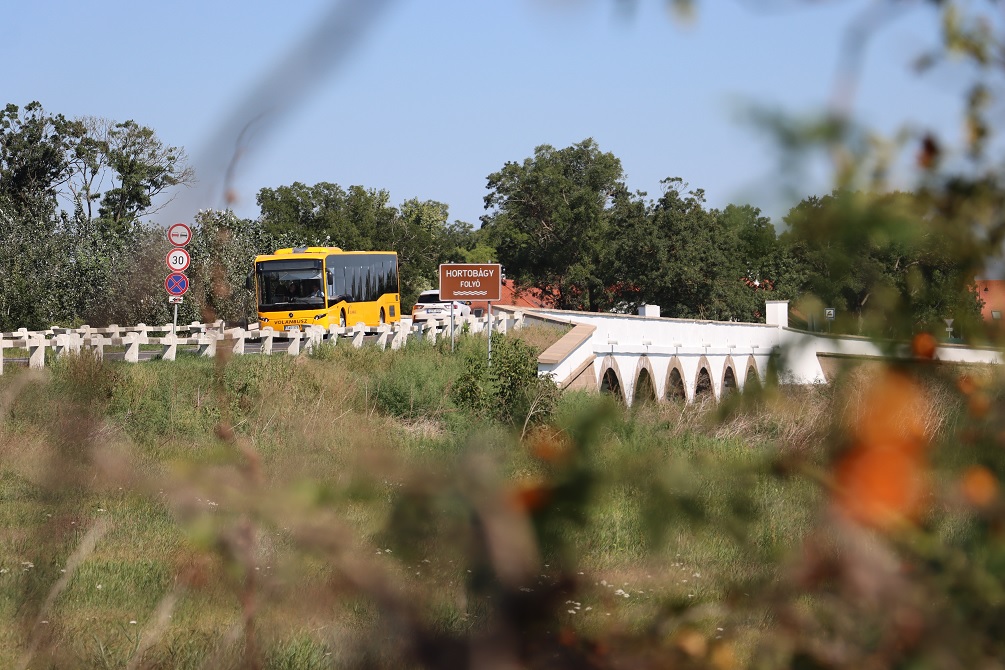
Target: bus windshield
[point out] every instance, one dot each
(292, 285)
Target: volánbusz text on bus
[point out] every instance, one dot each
(325, 286)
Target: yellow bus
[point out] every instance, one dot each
(325, 286)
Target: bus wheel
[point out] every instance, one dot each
(341, 319)
(383, 320)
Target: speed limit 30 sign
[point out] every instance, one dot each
(178, 259)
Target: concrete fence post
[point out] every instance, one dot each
(399, 334)
(132, 342)
(170, 343)
(267, 336)
(60, 344)
(239, 335)
(98, 342)
(293, 337)
(36, 352)
(358, 335)
(207, 344)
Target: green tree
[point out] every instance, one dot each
(142, 167)
(883, 262)
(48, 163)
(34, 163)
(328, 215)
(35, 151)
(361, 219)
(464, 244)
(548, 220)
(419, 235)
(701, 279)
(223, 249)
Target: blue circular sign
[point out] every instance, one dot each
(176, 283)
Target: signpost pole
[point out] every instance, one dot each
(471, 281)
(179, 235)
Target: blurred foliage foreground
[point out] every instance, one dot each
(417, 508)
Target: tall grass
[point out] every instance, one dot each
(344, 510)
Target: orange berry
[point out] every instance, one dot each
(881, 481)
(979, 486)
(528, 497)
(924, 345)
(881, 485)
(966, 384)
(691, 642)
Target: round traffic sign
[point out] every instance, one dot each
(178, 259)
(179, 234)
(176, 283)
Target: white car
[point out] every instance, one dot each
(429, 306)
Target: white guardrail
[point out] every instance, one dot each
(207, 339)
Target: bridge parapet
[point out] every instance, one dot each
(662, 358)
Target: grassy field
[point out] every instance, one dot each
(360, 508)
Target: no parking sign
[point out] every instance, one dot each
(176, 283)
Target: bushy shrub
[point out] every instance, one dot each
(507, 389)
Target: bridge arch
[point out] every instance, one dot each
(728, 383)
(751, 378)
(703, 385)
(610, 378)
(644, 386)
(676, 388)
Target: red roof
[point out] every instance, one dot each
(992, 292)
(526, 297)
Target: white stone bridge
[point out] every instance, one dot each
(648, 357)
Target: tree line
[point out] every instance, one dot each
(80, 241)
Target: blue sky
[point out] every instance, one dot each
(427, 98)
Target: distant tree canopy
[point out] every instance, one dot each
(74, 248)
(549, 219)
(60, 259)
(564, 222)
(358, 219)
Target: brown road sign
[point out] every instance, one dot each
(471, 281)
